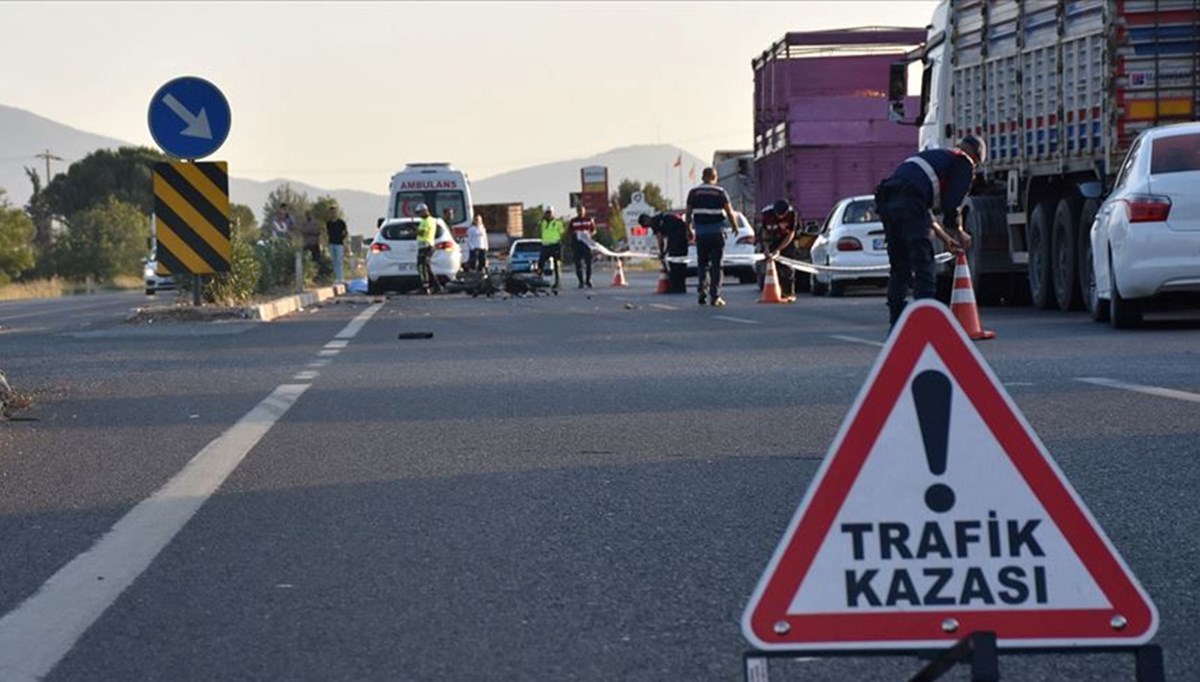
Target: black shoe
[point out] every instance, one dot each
(581, 285)
(702, 299)
(589, 285)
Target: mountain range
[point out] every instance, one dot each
(23, 135)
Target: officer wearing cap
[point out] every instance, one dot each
(932, 180)
(671, 233)
(426, 232)
(778, 237)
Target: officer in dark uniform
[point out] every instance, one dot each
(778, 238)
(933, 180)
(671, 232)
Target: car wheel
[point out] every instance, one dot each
(1123, 313)
(837, 288)
(373, 288)
(150, 292)
(1065, 251)
(1097, 307)
(1087, 215)
(815, 286)
(1041, 285)
(748, 278)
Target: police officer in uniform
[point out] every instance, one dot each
(933, 180)
(707, 210)
(671, 234)
(551, 230)
(778, 238)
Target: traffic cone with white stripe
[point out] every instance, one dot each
(770, 291)
(962, 302)
(619, 275)
(664, 284)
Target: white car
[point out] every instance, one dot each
(1145, 241)
(392, 260)
(741, 248)
(852, 236)
(154, 281)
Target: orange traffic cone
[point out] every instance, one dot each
(619, 275)
(962, 302)
(664, 284)
(771, 292)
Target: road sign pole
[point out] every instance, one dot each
(197, 282)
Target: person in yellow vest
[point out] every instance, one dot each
(426, 232)
(551, 230)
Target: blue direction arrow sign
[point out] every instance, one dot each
(189, 118)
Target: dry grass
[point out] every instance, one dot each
(41, 288)
(128, 282)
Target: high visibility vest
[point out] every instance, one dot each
(552, 231)
(426, 231)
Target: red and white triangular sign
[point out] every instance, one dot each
(938, 513)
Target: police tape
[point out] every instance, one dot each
(815, 269)
(605, 251)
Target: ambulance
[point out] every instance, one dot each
(441, 187)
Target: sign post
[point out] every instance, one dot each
(189, 119)
(939, 514)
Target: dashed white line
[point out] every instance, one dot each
(36, 635)
(855, 339)
(328, 353)
(1156, 391)
(305, 376)
(318, 364)
(663, 306)
(739, 320)
(337, 344)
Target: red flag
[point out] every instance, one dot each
(692, 173)
(678, 161)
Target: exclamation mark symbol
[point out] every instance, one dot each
(931, 391)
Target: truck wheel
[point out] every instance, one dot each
(1066, 254)
(1087, 215)
(1041, 285)
(1123, 313)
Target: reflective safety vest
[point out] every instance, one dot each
(426, 231)
(551, 231)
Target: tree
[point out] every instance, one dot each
(616, 223)
(103, 241)
(651, 193)
(38, 209)
(530, 218)
(16, 233)
(297, 203)
(124, 174)
(242, 225)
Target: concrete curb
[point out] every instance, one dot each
(290, 304)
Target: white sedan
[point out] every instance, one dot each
(392, 260)
(1146, 237)
(852, 236)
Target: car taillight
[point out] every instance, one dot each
(444, 246)
(749, 239)
(1147, 208)
(377, 247)
(849, 244)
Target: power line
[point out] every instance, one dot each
(48, 157)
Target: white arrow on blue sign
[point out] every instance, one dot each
(189, 118)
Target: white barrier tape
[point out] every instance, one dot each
(605, 251)
(859, 270)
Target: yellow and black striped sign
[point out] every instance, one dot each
(191, 210)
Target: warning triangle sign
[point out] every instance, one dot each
(938, 513)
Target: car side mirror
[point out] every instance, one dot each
(1092, 189)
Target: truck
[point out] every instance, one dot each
(503, 223)
(1058, 89)
(821, 110)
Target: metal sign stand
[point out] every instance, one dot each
(977, 649)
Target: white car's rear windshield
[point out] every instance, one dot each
(399, 231)
(860, 212)
(1175, 154)
(527, 247)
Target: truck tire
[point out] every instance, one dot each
(1041, 284)
(1123, 313)
(1087, 215)
(987, 215)
(1065, 249)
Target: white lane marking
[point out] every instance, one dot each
(327, 353)
(663, 306)
(855, 339)
(1155, 391)
(337, 344)
(317, 363)
(358, 322)
(739, 320)
(36, 635)
(305, 376)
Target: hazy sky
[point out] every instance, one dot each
(342, 94)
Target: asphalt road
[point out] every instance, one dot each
(581, 487)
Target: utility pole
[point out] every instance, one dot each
(48, 157)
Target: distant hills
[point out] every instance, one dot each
(24, 134)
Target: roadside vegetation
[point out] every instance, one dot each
(89, 230)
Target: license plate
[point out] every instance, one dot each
(879, 244)
(406, 266)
